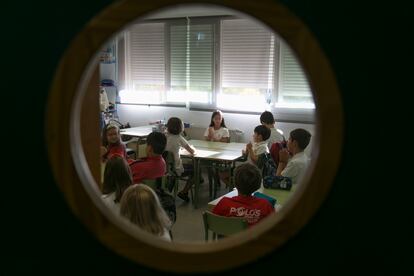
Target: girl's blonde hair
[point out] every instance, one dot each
(142, 207)
(105, 130)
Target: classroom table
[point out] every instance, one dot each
(211, 151)
(281, 196)
(137, 132)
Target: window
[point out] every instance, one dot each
(247, 60)
(145, 64)
(191, 62)
(227, 63)
(294, 88)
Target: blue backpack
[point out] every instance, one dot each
(266, 164)
(270, 179)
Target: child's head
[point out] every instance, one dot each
(110, 135)
(261, 133)
(117, 177)
(175, 126)
(247, 178)
(217, 119)
(156, 142)
(298, 140)
(142, 207)
(267, 118)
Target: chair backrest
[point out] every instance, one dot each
(169, 162)
(224, 226)
(154, 183)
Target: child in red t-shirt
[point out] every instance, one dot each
(253, 209)
(153, 166)
(112, 144)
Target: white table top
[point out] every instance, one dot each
(215, 150)
(141, 131)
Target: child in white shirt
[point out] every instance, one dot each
(259, 145)
(217, 130)
(267, 119)
(295, 166)
(175, 141)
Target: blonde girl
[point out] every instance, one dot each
(141, 206)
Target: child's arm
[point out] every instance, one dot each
(103, 151)
(250, 152)
(190, 149)
(224, 140)
(283, 160)
(209, 134)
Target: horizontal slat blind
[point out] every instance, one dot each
(246, 54)
(293, 81)
(201, 57)
(178, 56)
(192, 57)
(147, 54)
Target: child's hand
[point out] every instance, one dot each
(283, 156)
(103, 151)
(249, 146)
(210, 132)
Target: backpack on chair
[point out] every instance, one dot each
(266, 164)
(274, 151)
(270, 179)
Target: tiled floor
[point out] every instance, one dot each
(189, 225)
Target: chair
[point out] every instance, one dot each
(223, 226)
(155, 184)
(171, 172)
(130, 151)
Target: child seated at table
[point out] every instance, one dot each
(175, 141)
(153, 166)
(295, 166)
(217, 130)
(142, 207)
(248, 179)
(259, 145)
(117, 178)
(267, 119)
(112, 144)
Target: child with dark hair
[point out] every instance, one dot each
(117, 178)
(295, 166)
(153, 166)
(248, 179)
(259, 145)
(217, 130)
(267, 119)
(174, 142)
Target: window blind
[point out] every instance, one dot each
(192, 57)
(294, 86)
(246, 54)
(147, 62)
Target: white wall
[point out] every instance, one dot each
(138, 115)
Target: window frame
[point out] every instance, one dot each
(283, 113)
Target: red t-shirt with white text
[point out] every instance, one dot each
(251, 208)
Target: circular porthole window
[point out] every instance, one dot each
(201, 54)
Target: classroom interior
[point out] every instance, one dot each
(189, 61)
